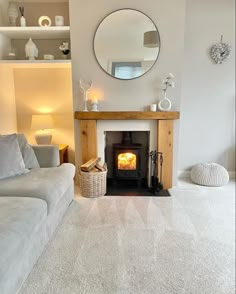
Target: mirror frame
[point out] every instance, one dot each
(95, 37)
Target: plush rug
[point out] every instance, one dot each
(182, 244)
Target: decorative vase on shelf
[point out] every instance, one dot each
(22, 21)
(22, 18)
(12, 13)
(31, 51)
(164, 104)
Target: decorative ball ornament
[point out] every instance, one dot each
(220, 52)
(44, 21)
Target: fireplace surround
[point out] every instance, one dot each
(164, 142)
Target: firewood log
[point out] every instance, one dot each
(87, 166)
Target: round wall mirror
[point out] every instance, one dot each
(126, 44)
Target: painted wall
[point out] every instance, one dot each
(5, 43)
(3, 9)
(46, 90)
(207, 131)
(7, 101)
(136, 94)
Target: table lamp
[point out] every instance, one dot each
(42, 123)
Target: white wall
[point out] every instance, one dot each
(3, 9)
(7, 101)
(169, 16)
(208, 92)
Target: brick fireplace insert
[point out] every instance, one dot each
(88, 134)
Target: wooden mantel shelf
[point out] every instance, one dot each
(126, 115)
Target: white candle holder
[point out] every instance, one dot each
(94, 106)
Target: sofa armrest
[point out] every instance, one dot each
(47, 155)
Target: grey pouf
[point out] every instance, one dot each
(209, 174)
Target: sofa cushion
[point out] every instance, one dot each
(11, 160)
(27, 152)
(20, 218)
(48, 184)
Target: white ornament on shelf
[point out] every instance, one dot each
(22, 18)
(85, 86)
(220, 52)
(44, 21)
(31, 51)
(59, 20)
(165, 103)
(22, 21)
(153, 107)
(12, 13)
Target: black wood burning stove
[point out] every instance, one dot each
(127, 159)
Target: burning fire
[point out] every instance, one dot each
(127, 161)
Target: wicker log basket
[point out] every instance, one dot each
(93, 183)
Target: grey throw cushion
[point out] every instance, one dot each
(27, 152)
(11, 160)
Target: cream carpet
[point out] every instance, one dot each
(182, 244)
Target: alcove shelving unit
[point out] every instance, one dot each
(46, 38)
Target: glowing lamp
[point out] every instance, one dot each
(42, 123)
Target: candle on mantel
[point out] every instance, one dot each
(95, 95)
(94, 99)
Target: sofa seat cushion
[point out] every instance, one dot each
(20, 218)
(48, 184)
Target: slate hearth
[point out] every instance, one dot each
(131, 189)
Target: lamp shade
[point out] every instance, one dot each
(151, 39)
(41, 122)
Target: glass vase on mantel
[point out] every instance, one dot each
(12, 13)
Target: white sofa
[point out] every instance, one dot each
(31, 207)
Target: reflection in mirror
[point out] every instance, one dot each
(126, 44)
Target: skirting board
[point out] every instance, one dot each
(183, 174)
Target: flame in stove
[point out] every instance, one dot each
(127, 161)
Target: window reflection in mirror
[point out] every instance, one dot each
(120, 47)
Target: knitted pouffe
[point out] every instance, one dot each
(209, 174)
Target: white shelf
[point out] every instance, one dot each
(37, 63)
(40, 33)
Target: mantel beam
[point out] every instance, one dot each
(126, 115)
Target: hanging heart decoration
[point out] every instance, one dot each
(220, 52)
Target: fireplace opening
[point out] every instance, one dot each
(127, 157)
